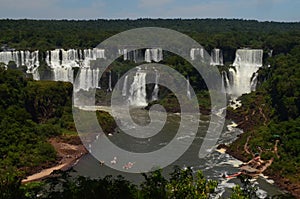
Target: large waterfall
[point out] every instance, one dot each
(239, 79)
(216, 57)
(22, 58)
(138, 89)
(242, 78)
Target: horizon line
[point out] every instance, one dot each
(148, 18)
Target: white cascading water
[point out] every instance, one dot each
(124, 89)
(92, 54)
(109, 82)
(226, 82)
(216, 57)
(138, 89)
(124, 53)
(23, 58)
(63, 61)
(196, 52)
(188, 91)
(88, 78)
(156, 87)
(246, 63)
(254, 81)
(153, 54)
(223, 88)
(72, 57)
(63, 74)
(36, 74)
(133, 55)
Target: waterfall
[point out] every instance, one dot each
(61, 65)
(156, 88)
(216, 57)
(63, 74)
(223, 88)
(188, 91)
(63, 61)
(52, 58)
(109, 82)
(153, 54)
(88, 78)
(246, 63)
(148, 55)
(226, 82)
(132, 55)
(270, 53)
(196, 52)
(71, 58)
(124, 90)
(36, 74)
(23, 58)
(124, 53)
(137, 56)
(92, 54)
(138, 89)
(254, 81)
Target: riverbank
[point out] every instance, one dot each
(247, 121)
(69, 150)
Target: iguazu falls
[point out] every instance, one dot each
(149, 108)
(240, 79)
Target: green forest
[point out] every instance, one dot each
(31, 111)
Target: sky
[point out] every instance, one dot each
(262, 10)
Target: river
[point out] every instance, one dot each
(214, 165)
